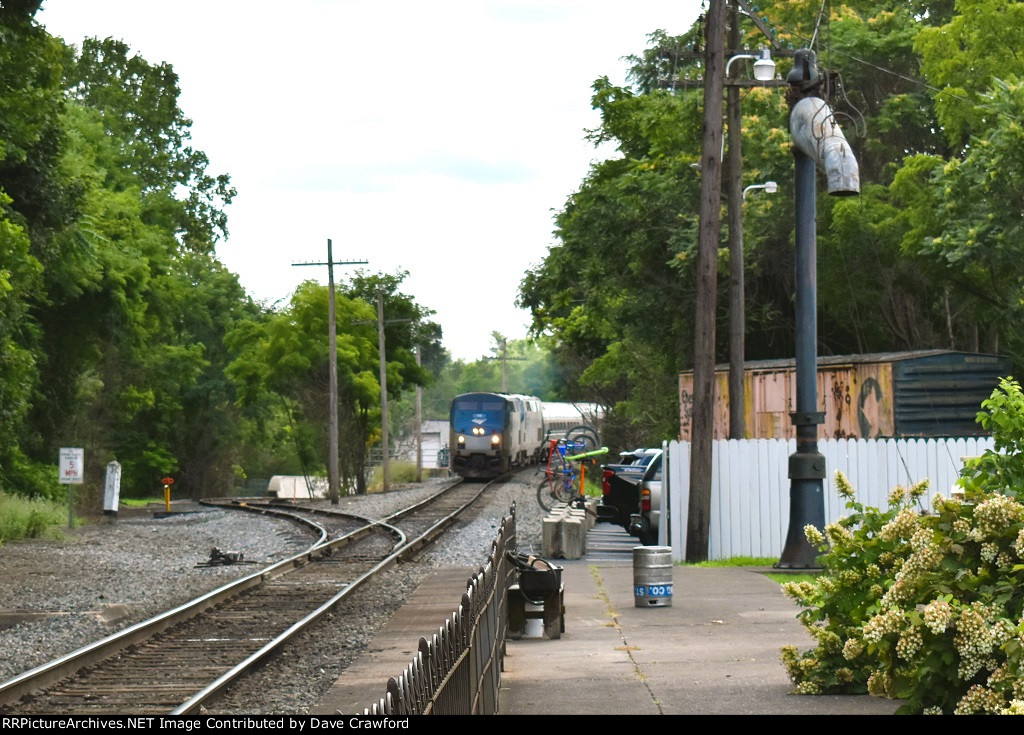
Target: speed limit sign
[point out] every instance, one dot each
(72, 460)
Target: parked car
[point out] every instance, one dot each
(620, 486)
(644, 523)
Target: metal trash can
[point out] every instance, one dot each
(652, 576)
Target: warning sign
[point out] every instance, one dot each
(72, 461)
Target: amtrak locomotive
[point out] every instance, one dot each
(493, 432)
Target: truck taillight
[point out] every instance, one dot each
(605, 487)
(645, 500)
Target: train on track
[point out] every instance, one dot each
(492, 433)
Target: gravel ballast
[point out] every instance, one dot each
(56, 596)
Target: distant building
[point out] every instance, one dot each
(434, 438)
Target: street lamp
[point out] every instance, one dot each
(769, 186)
(764, 67)
(764, 71)
(817, 139)
(737, 320)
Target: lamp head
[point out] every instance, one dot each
(764, 68)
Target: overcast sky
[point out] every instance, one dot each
(435, 138)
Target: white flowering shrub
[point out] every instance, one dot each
(862, 555)
(934, 614)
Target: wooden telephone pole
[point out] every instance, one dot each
(383, 371)
(503, 356)
(332, 456)
(699, 516)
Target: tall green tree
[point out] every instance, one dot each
(285, 358)
(919, 260)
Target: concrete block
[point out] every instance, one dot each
(574, 537)
(551, 536)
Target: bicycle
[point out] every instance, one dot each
(564, 483)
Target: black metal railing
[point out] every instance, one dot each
(458, 671)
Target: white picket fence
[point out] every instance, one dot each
(750, 487)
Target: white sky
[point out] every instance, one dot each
(437, 138)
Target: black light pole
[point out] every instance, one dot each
(816, 138)
(806, 465)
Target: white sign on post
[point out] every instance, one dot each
(72, 460)
(112, 488)
(71, 471)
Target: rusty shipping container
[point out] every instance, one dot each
(896, 394)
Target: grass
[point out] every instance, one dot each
(399, 472)
(22, 518)
(139, 502)
(759, 561)
(738, 561)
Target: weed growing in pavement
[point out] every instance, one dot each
(926, 606)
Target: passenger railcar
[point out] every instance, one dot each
(493, 432)
(573, 420)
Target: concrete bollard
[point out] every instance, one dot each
(551, 536)
(574, 537)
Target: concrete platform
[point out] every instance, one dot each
(713, 650)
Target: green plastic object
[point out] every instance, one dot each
(595, 453)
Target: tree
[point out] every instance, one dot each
(285, 357)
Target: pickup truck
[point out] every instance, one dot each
(620, 486)
(645, 522)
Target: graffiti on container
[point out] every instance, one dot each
(840, 402)
(869, 390)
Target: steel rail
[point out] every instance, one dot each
(52, 672)
(407, 550)
(60, 668)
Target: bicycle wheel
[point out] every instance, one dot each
(567, 487)
(546, 494)
(583, 435)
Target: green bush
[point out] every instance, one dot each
(862, 555)
(31, 479)
(29, 518)
(927, 606)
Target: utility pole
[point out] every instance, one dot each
(332, 335)
(503, 356)
(419, 420)
(385, 445)
(699, 516)
(737, 299)
(383, 372)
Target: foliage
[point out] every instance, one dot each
(523, 366)
(928, 256)
(22, 518)
(862, 554)
(1000, 470)
(926, 607)
(282, 367)
(398, 471)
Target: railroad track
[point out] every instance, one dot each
(182, 660)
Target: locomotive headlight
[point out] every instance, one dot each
(496, 439)
(462, 439)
